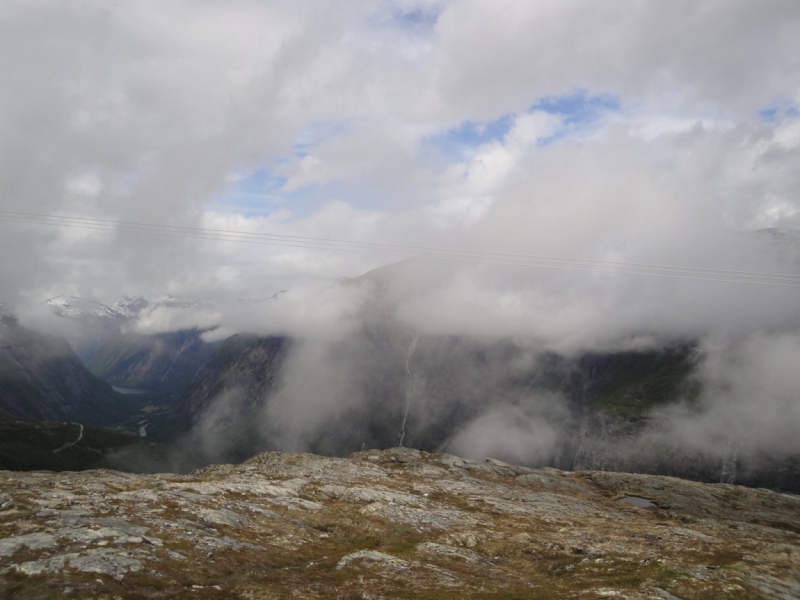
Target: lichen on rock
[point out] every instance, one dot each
(387, 524)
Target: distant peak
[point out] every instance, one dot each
(131, 306)
(82, 308)
(124, 308)
(170, 301)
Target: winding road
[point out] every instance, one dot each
(68, 444)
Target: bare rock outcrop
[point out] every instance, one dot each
(391, 524)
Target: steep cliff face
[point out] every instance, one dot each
(393, 524)
(247, 365)
(215, 418)
(621, 395)
(166, 362)
(42, 378)
(612, 442)
(391, 387)
(500, 399)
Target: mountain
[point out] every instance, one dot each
(165, 363)
(130, 307)
(459, 394)
(243, 362)
(94, 323)
(81, 308)
(383, 385)
(42, 378)
(122, 309)
(169, 301)
(423, 390)
(393, 524)
(229, 389)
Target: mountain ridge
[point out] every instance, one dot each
(42, 378)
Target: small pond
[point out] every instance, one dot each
(637, 502)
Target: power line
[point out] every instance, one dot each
(362, 247)
(235, 235)
(440, 253)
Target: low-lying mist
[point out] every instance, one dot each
(403, 355)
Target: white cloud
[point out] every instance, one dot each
(163, 319)
(509, 434)
(171, 101)
(147, 111)
(707, 54)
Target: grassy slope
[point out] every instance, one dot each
(631, 384)
(30, 445)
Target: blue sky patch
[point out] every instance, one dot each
(577, 110)
(417, 18)
(769, 115)
(456, 142)
(316, 133)
(775, 114)
(256, 194)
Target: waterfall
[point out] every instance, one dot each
(411, 348)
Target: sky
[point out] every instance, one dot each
(663, 133)
(650, 132)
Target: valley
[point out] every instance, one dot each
(380, 386)
(227, 400)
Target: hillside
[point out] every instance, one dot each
(42, 378)
(379, 387)
(54, 446)
(596, 411)
(423, 397)
(164, 363)
(218, 405)
(392, 524)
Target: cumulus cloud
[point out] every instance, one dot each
(312, 310)
(142, 113)
(656, 133)
(699, 54)
(162, 319)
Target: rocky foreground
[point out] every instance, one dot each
(391, 524)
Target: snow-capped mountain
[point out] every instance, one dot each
(123, 309)
(94, 324)
(246, 301)
(82, 308)
(170, 301)
(130, 306)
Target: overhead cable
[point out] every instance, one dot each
(440, 253)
